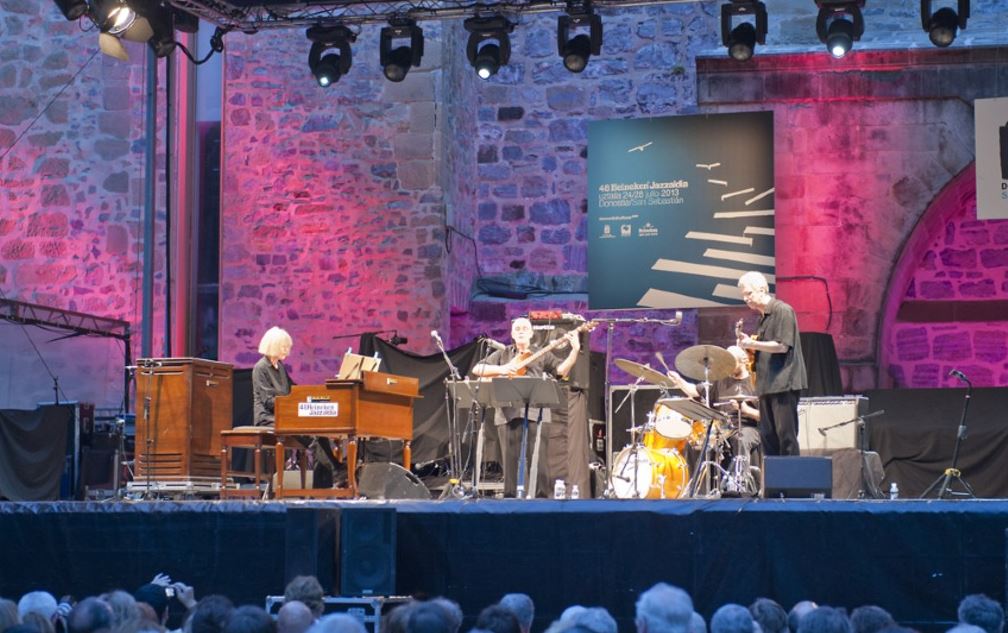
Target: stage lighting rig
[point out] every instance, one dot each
(328, 68)
(942, 25)
(396, 62)
(839, 24)
(575, 51)
(72, 9)
(489, 46)
(113, 16)
(742, 39)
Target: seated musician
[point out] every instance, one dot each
(269, 380)
(738, 383)
(511, 361)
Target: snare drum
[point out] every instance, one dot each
(659, 474)
(669, 422)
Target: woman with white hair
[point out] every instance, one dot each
(269, 376)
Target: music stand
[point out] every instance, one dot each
(528, 392)
(465, 394)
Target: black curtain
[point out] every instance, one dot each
(430, 422)
(33, 452)
(821, 365)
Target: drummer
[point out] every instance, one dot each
(738, 383)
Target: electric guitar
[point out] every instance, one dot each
(751, 364)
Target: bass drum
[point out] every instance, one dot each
(659, 474)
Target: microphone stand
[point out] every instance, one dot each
(455, 486)
(952, 473)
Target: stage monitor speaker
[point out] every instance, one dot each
(385, 480)
(797, 477)
(815, 414)
(310, 545)
(367, 551)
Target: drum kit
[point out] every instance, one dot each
(655, 466)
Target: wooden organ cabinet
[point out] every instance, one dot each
(182, 405)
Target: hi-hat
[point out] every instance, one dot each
(646, 373)
(692, 361)
(740, 398)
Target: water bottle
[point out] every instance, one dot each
(893, 491)
(575, 492)
(559, 489)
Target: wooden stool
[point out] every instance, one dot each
(253, 437)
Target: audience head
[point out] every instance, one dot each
(294, 617)
(41, 602)
(452, 610)
(697, 624)
(8, 614)
(870, 619)
(522, 607)
(768, 613)
(798, 612)
(731, 618)
(38, 622)
(125, 612)
(338, 623)
(395, 620)
(90, 615)
(428, 617)
(249, 619)
(497, 619)
(596, 620)
(307, 590)
(824, 620)
(210, 615)
(979, 610)
(965, 628)
(156, 596)
(664, 609)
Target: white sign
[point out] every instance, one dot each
(991, 158)
(318, 409)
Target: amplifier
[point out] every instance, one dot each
(815, 414)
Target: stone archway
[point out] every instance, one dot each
(947, 299)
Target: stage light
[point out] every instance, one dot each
(942, 25)
(72, 9)
(489, 46)
(839, 24)
(113, 16)
(742, 39)
(576, 51)
(397, 62)
(328, 68)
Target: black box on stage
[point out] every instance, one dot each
(367, 551)
(797, 477)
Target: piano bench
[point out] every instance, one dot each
(256, 438)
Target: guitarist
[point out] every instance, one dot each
(780, 367)
(512, 361)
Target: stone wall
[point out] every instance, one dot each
(71, 198)
(332, 206)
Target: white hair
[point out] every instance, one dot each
(754, 280)
(275, 342)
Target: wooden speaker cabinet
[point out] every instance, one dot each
(182, 405)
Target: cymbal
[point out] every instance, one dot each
(646, 373)
(691, 362)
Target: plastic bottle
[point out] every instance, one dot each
(575, 492)
(893, 491)
(559, 489)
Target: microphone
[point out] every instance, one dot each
(958, 374)
(437, 338)
(497, 345)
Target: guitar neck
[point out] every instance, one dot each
(552, 346)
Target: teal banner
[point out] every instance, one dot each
(678, 209)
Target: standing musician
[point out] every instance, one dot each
(780, 367)
(738, 383)
(510, 361)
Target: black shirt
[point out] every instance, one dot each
(268, 382)
(777, 373)
(730, 386)
(544, 366)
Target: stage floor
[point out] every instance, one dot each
(915, 558)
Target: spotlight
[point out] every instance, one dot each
(328, 69)
(741, 41)
(113, 16)
(72, 9)
(487, 57)
(943, 24)
(397, 62)
(839, 24)
(576, 51)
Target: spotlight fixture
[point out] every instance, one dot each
(113, 16)
(576, 51)
(397, 62)
(741, 41)
(328, 68)
(839, 24)
(72, 9)
(942, 25)
(484, 55)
